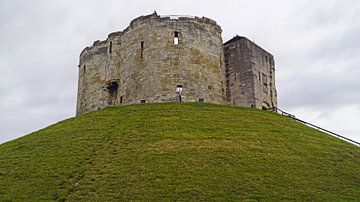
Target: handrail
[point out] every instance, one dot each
(279, 111)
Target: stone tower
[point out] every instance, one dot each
(171, 59)
(152, 58)
(250, 74)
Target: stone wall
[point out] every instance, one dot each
(92, 68)
(144, 64)
(250, 74)
(154, 55)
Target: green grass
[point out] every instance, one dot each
(172, 151)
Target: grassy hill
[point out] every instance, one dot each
(179, 152)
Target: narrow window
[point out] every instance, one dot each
(259, 77)
(121, 99)
(110, 47)
(265, 84)
(264, 79)
(142, 49)
(176, 38)
(84, 69)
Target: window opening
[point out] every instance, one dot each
(84, 69)
(259, 77)
(110, 47)
(142, 49)
(265, 84)
(264, 79)
(176, 38)
(142, 101)
(121, 99)
(201, 99)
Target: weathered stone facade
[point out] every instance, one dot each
(250, 74)
(155, 56)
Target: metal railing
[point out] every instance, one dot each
(279, 111)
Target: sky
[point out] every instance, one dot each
(316, 45)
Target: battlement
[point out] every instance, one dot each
(98, 47)
(91, 50)
(115, 34)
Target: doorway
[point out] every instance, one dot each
(112, 88)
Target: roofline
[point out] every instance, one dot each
(237, 38)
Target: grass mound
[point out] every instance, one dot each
(178, 151)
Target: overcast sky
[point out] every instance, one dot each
(316, 45)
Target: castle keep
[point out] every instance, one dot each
(172, 59)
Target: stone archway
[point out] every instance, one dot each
(265, 106)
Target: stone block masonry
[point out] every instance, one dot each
(250, 74)
(155, 57)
